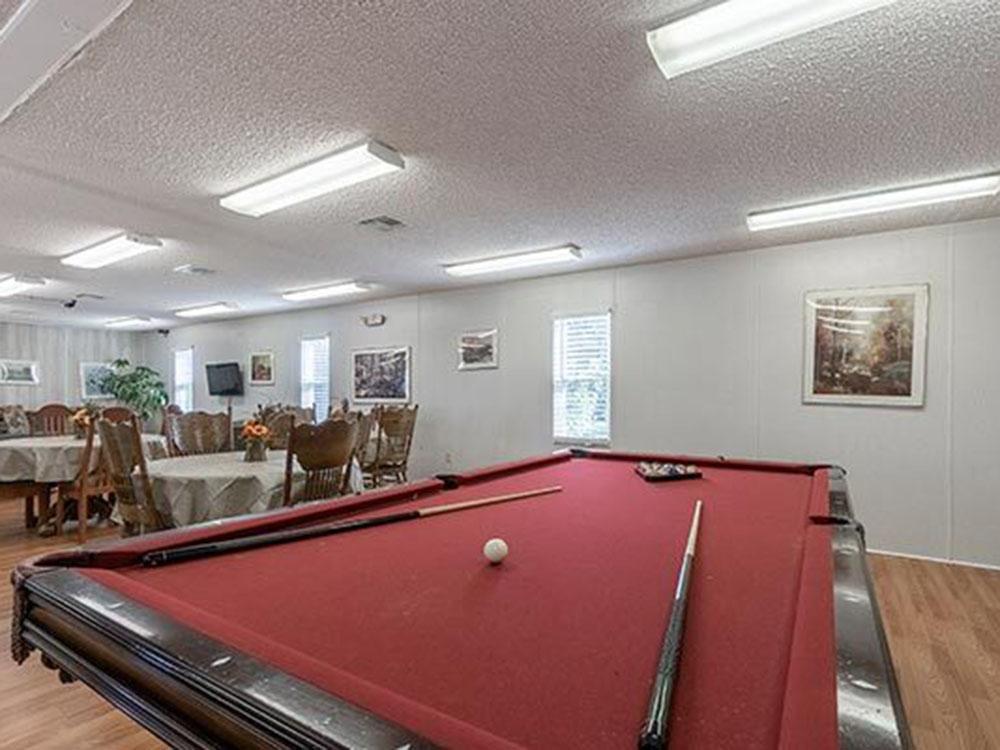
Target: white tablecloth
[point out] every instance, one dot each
(195, 489)
(56, 458)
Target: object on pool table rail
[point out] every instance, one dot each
(654, 729)
(655, 471)
(208, 549)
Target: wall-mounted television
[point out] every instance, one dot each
(224, 379)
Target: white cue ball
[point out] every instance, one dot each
(495, 550)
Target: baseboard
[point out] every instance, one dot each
(927, 558)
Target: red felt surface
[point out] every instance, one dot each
(554, 648)
(810, 705)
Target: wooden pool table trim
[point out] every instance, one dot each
(870, 713)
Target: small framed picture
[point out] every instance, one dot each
(866, 346)
(18, 372)
(381, 376)
(92, 378)
(477, 350)
(262, 368)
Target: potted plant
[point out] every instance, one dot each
(140, 388)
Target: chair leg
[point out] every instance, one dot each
(82, 511)
(44, 508)
(60, 514)
(30, 519)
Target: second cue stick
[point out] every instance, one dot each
(654, 729)
(207, 549)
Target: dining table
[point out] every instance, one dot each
(208, 487)
(43, 461)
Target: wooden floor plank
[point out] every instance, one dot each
(943, 625)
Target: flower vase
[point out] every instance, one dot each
(256, 451)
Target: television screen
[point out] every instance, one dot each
(224, 379)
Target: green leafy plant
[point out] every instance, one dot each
(140, 388)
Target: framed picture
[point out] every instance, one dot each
(262, 368)
(18, 372)
(381, 376)
(92, 375)
(866, 346)
(477, 350)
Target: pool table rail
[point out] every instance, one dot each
(115, 645)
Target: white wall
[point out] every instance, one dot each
(59, 352)
(707, 356)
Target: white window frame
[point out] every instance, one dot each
(575, 441)
(320, 415)
(188, 403)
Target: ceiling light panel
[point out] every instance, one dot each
(876, 203)
(338, 170)
(735, 27)
(133, 322)
(113, 250)
(203, 311)
(564, 254)
(322, 292)
(11, 285)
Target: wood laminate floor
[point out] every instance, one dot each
(943, 623)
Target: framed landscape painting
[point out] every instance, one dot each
(381, 376)
(866, 346)
(477, 350)
(92, 375)
(18, 372)
(262, 368)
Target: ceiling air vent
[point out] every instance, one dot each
(382, 223)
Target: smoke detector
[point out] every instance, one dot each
(192, 270)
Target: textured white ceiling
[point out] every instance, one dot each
(524, 124)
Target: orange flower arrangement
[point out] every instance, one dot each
(255, 431)
(81, 418)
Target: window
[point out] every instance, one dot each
(184, 378)
(315, 375)
(581, 379)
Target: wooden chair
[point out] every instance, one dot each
(365, 422)
(116, 414)
(91, 483)
(199, 432)
(280, 422)
(125, 465)
(324, 452)
(393, 438)
(51, 419)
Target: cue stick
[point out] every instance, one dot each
(207, 549)
(654, 729)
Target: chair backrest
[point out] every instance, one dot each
(125, 467)
(324, 452)
(51, 419)
(14, 421)
(199, 432)
(280, 423)
(116, 413)
(395, 434)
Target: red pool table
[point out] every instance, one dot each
(404, 636)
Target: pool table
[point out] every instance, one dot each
(404, 636)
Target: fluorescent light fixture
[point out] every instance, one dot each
(876, 203)
(40, 38)
(112, 250)
(216, 308)
(521, 260)
(338, 170)
(11, 285)
(735, 27)
(321, 292)
(127, 322)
